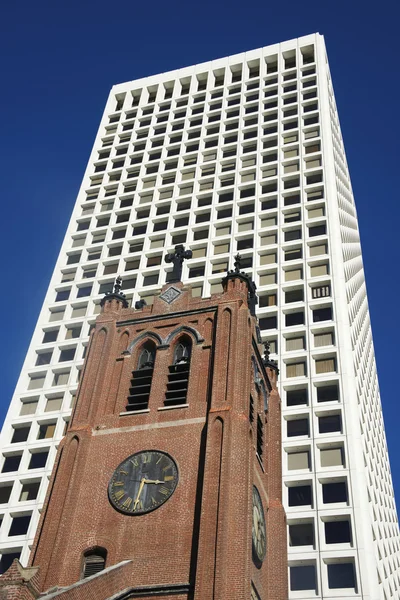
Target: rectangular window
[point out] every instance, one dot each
(268, 323)
(334, 492)
(20, 434)
(327, 365)
(328, 393)
(295, 234)
(301, 534)
(332, 457)
(298, 460)
(46, 431)
(293, 275)
(29, 491)
(268, 279)
(38, 459)
(323, 339)
(319, 270)
(297, 427)
(220, 231)
(36, 382)
(28, 406)
(296, 318)
(268, 259)
(61, 378)
(297, 397)
(296, 369)
(338, 532)
(78, 311)
(297, 343)
(54, 404)
(303, 578)
(221, 248)
(330, 424)
(341, 575)
(268, 240)
(300, 495)
(56, 315)
(322, 314)
(317, 250)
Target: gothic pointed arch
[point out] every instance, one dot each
(184, 329)
(147, 335)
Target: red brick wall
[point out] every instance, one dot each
(202, 534)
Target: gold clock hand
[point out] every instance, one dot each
(139, 492)
(153, 481)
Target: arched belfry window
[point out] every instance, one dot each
(182, 353)
(178, 374)
(94, 561)
(139, 391)
(147, 356)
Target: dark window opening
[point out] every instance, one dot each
(337, 532)
(260, 437)
(139, 391)
(7, 560)
(301, 534)
(94, 562)
(251, 409)
(341, 575)
(303, 578)
(20, 435)
(296, 397)
(11, 463)
(334, 492)
(178, 375)
(322, 314)
(330, 424)
(300, 495)
(297, 427)
(19, 525)
(38, 460)
(328, 393)
(296, 318)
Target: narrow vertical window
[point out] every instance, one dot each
(251, 409)
(139, 391)
(260, 437)
(94, 561)
(178, 375)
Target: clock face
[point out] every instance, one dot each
(259, 533)
(143, 482)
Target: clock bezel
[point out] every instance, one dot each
(258, 561)
(151, 509)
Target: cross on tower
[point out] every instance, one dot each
(177, 258)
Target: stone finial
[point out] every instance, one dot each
(116, 294)
(117, 285)
(251, 286)
(268, 362)
(177, 258)
(238, 263)
(267, 351)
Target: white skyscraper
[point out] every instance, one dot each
(242, 154)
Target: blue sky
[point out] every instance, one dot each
(58, 61)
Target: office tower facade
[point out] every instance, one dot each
(242, 154)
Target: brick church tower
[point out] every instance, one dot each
(168, 481)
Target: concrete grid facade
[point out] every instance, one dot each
(239, 154)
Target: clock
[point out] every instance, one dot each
(143, 482)
(259, 533)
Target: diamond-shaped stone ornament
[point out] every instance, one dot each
(170, 295)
